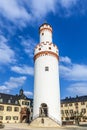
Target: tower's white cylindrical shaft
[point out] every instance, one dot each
(46, 76)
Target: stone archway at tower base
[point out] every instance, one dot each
(44, 122)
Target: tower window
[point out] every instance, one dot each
(42, 33)
(46, 68)
(50, 48)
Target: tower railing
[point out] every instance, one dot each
(54, 119)
(36, 116)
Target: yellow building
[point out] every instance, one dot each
(74, 109)
(14, 109)
(18, 108)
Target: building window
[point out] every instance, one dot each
(16, 102)
(83, 110)
(82, 103)
(71, 111)
(76, 104)
(8, 117)
(9, 108)
(46, 68)
(1, 117)
(72, 118)
(1, 108)
(61, 105)
(31, 118)
(66, 105)
(66, 111)
(9, 101)
(62, 112)
(23, 102)
(15, 117)
(1, 100)
(31, 110)
(61, 118)
(67, 118)
(16, 109)
(70, 104)
(27, 103)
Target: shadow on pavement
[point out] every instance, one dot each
(83, 125)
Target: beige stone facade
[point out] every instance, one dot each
(9, 113)
(15, 109)
(74, 108)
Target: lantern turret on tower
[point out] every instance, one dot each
(45, 33)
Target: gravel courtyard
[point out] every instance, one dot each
(23, 126)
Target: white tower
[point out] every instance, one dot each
(46, 77)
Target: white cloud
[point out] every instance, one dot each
(65, 59)
(28, 93)
(26, 12)
(72, 7)
(68, 3)
(42, 7)
(7, 55)
(23, 70)
(77, 89)
(75, 75)
(73, 72)
(13, 11)
(14, 82)
(29, 45)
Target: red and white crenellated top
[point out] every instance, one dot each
(45, 47)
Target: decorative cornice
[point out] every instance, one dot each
(46, 53)
(45, 28)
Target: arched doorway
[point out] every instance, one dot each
(24, 115)
(43, 112)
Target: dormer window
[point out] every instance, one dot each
(1, 100)
(16, 102)
(10, 97)
(9, 101)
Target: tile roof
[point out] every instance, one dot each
(8, 99)
(74, 99)
(13, 99)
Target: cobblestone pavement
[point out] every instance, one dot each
(23, 126)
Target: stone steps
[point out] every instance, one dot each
(44, 122)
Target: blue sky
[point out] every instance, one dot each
(19, 23)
